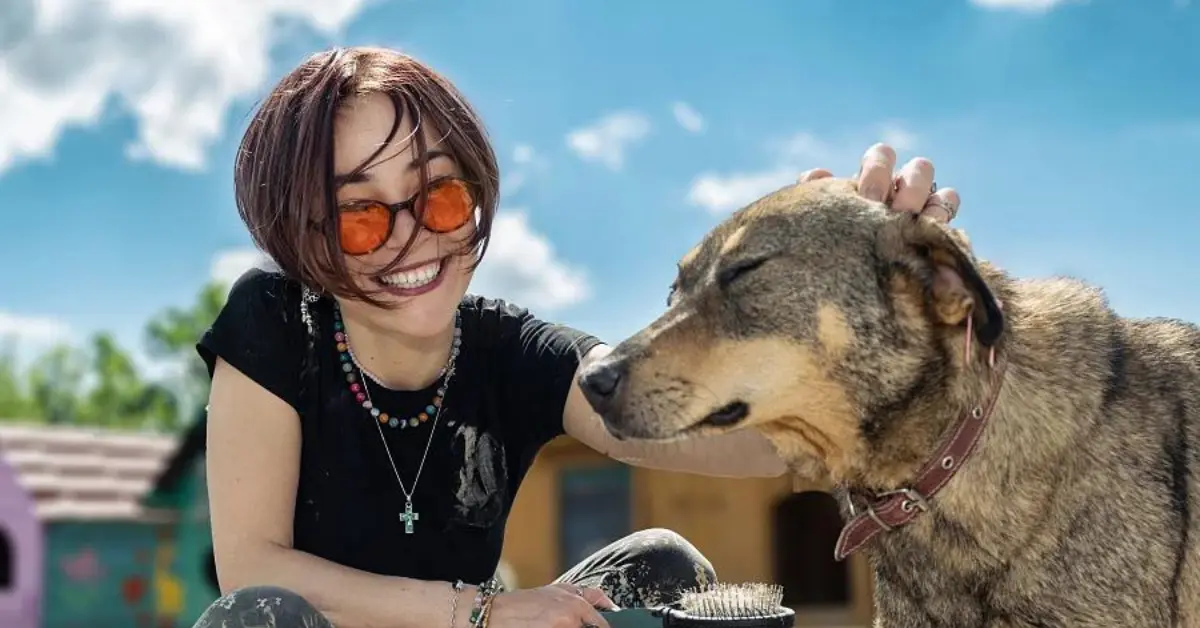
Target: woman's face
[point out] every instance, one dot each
(432, 278)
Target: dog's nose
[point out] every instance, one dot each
(601, 381)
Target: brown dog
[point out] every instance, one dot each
(1009, 452)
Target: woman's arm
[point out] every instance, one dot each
(253, 463)
(740, 454)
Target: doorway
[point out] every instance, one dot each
(805, 529)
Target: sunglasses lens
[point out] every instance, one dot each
(363, 227)
(448, 206)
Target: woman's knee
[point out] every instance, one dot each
(667, 554)
(262, 606)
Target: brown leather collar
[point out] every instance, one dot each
(894, 509)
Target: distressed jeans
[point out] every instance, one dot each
(645, 569)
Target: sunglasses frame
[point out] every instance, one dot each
(408, 205)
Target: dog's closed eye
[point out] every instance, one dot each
(740, 268)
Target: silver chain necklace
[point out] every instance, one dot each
(366, 372)
(409, 516)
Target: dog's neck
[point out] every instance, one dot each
(1038, 413)
(910, 435)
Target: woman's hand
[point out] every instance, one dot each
(911, 190)
(553, 606)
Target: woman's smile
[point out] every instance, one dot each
(415, 280)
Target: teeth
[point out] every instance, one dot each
(414, 278)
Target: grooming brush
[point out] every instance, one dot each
(751, 605)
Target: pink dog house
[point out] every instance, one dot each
(21, 549)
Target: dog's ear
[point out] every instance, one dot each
(936, 256)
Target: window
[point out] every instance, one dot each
(806, 528)
(594, 510)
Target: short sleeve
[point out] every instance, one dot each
(537, 365)
(259, 333)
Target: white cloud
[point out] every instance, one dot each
(898, 137)
(230, 264)
(606, 140)
(687, 117)
(522, 266)
(28, 336)
(527, 163)
(720, 193)
(1028, 6)
(32, 330)
(523, 154)
(174, 66)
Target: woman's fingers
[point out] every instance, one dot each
(814, 174)
(595, 597)
(913, 186)
(942, 205)
(875, 175)
(598, 599)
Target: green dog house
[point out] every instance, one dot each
(123, 539)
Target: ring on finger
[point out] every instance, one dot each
(949, 208)
(898, 182)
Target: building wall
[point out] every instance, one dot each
(733, 522)
(119, 575)
(98, 574)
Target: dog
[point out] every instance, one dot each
(1008, 452)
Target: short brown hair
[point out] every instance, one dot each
(284, 173)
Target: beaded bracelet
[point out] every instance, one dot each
(487, 612)
(483, 599)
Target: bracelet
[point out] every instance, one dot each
(487, 611)
(483, 600)
(458, 587)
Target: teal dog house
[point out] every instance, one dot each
(112, 551)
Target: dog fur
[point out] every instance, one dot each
(836, 328)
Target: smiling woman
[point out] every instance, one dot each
(369, 423)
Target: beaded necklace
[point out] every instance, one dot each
(356, 377)
(356, 381)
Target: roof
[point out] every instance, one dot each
(189, 447)
(75, 473)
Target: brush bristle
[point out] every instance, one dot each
(734, 601)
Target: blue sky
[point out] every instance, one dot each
(625, 128)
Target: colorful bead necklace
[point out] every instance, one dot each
(355, 375)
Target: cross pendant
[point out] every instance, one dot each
(408, 517)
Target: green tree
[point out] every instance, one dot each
(172, 336)
(15, 402)
(100, 384)
(119, 396)
(56, 381)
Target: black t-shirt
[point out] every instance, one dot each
(503, 404)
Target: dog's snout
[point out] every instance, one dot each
(601, 383)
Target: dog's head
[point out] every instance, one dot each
(811, 315)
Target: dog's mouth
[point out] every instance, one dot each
(727, 415)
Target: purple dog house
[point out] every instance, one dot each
(21, 548)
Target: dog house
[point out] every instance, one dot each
(21, 549)
(104, 558)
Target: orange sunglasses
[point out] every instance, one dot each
(364, 226)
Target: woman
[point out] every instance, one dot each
(369, 424)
